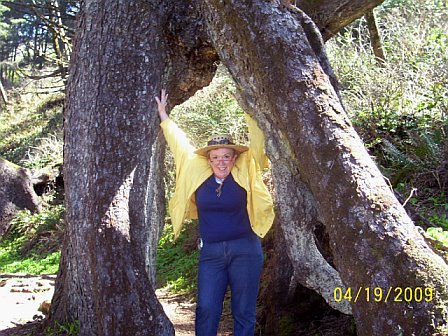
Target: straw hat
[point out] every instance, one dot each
(221, 141)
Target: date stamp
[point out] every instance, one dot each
(378, 294)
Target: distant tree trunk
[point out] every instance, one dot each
(375, 38)
(322, 171)
(60, 42)
(332, 15)
(16, 193)
(50, 16)
(2, 91)
(124, 53)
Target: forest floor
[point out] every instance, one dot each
(22, 295)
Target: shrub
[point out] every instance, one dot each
(33, 241)
(399, 107)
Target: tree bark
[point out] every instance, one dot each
(16, 193)
(311, 141)
(331, 16)
(3, 92)
(375, 38)
(124, 53)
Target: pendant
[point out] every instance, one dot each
(218, 190)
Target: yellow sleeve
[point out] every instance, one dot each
(177, 140)
(256, 138)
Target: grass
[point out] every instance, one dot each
(32, 243)
(29, 131)
(212, 110)
(31, 136)
(177, 260)
(439, 234)
(66, 329)
(34, 263)
(399, 108)
(406, 96)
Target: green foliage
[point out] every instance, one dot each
(28, 224)
(48, 152)
(440, 220)
(31, 132)
(438, 209)
(419, 156)
(439, 234)
(31, 136)
(4, 26)
(29, 32)
(11, 261)
(32, 244)
(410, 89)
(212, 110)
(66, 329)
(176, 263)
(399, 108)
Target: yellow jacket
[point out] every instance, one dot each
(192, 170)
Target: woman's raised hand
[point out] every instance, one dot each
(161, 105)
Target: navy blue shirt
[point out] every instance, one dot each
(224, 217)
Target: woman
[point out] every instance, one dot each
(221, 185)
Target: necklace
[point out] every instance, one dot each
(220, 182)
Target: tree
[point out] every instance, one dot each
(377, 46)
(16, 193)
(3, 93)
(323, 176)
(122, 56)
(331, 16)
(49, 13)
(32, 26)
(323, 173)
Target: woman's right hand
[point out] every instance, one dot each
(161, 105)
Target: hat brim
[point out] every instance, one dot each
(237, 148)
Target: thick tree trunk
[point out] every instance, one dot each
(109, 150)
(123, 55)
(285, 83)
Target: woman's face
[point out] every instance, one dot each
(221, 160)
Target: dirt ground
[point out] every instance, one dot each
(21, 296)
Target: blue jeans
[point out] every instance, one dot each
(235, 263)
